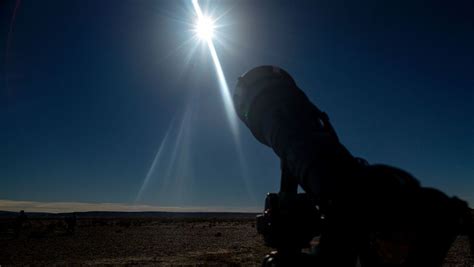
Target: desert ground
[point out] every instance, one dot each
(148, 241)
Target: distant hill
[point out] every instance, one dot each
(147, 214)
(8, 214)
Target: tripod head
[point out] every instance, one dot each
(288, 224)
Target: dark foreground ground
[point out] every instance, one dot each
(148, 241)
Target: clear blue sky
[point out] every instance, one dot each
(89, 90)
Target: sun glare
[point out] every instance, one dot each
(171, 160)
(205, 28)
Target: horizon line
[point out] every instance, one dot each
(68, 207)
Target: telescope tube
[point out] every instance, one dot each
(282, 117)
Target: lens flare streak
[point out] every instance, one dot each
(224, 88)
(228, 105)
(156, 160)
(175, 169)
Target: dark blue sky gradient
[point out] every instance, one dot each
(90, 88)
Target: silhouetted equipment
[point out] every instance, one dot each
(289, 222)
(375, 214)
(20, 222)
(71, 221)
(280, 115)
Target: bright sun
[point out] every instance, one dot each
(205, 28)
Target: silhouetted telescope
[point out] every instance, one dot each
(368, 198)
(282, 117)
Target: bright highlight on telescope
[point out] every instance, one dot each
(204, 28)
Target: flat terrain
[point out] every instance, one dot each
(135, 241)
(148, 241)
